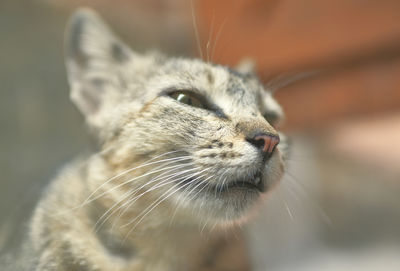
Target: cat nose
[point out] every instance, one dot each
(265, 142)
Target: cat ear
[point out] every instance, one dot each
(246, 65)
(94, 58)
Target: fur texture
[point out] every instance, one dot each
(166, 188)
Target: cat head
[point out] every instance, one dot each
(203, 134)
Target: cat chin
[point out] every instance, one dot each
(225, 208)
(232, 206)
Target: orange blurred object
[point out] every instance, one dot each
(354, 46)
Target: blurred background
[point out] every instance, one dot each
(338, 207)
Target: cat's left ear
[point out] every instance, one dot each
(94, 61)
(246, 65)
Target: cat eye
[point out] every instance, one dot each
(272, 118)
(187, 98)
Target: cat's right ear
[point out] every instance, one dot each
(94, 60)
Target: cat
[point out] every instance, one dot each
(187, 150)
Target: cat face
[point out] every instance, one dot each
(202, 134)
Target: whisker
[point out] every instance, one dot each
(286, 205)
(131, 169)
(311, 202)
(196, 31)
(181, 181)
(163, 183)
(87, 201)
(130, 193)
(297, 183)
(206, 186)
(193, 189)
(177, 204)
(217, 37)
(169, 169)
(203, 182)
(133, 179)
(209, 36)
(222, 185)
(205, 225)
(217, 183)
(155, 202)
(134, 168)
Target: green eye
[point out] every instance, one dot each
(187, 98)
(272, 118)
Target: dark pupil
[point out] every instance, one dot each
(183, 98)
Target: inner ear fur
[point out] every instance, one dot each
(94, 56)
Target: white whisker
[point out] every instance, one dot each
(309, 199)
(177, 184)
(161, 199)
(131, 169)
(133, 179)
(196, 30)
(154, 204)
(130, 193)
(217, 38)
(163, 183)
(209, 36)
(177, 205)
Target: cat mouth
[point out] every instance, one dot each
(254, 182)
(251, 183)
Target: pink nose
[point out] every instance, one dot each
(266, 142)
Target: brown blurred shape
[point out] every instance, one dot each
(354, 45)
